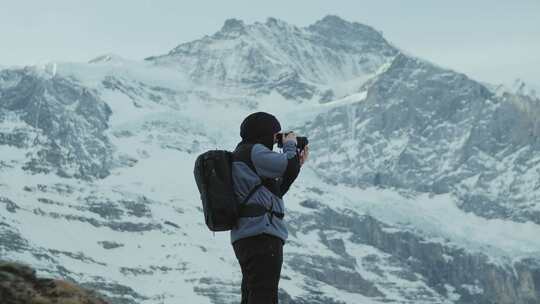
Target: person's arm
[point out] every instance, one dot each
(271, 164)
(291, 171)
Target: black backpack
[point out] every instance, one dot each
(213, 175)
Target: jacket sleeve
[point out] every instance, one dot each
(272, 164)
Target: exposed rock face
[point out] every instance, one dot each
(62, 120)
(437, 265)
(433, 130)
(19, 285)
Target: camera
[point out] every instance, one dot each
(301, 141)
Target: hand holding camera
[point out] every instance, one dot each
(300, 141)
(304, 155)
(290, 136)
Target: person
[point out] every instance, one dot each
(258, 240)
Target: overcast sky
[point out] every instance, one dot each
(495, 41)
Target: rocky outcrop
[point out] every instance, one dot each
(20, 285)
(61, 119)
(447, 270)
(428, 129)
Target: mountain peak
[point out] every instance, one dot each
(265, 52)
(334, 28)
(233, 25)
(271, 21)
(333, 20)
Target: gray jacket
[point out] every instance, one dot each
(278, 171)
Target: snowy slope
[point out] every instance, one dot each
(96, 181)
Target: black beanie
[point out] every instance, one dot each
(260, 127)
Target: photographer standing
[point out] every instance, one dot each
(259, 238)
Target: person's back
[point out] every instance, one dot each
(258, 240)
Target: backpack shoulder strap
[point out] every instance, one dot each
(251, 192)
(243, 153)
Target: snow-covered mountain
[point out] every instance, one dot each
(423, 185)
(299, 63)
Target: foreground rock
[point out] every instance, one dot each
(19, 285)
